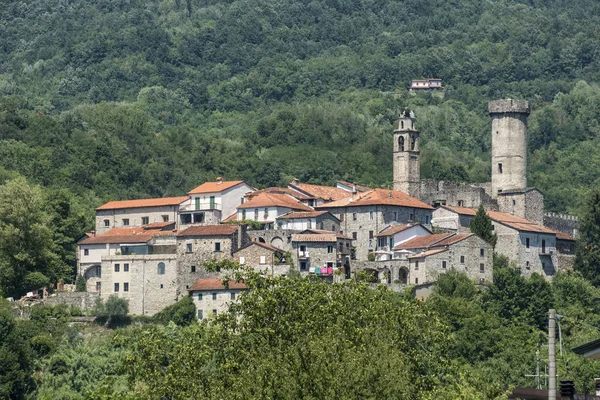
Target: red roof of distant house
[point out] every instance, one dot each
(327, 193)
(267, 246)
(392, 230)
(302, 214)
(428, 253)
(209, 230)
(453, 239)
(216, 284)
(512, 221)
(314, 237)
(278, 190)
(160, 202)
(564, 236)
(274, 200)
(359, 188)
(231, 218)
(138, 234)
(379, 197)
(423, 241)
(214, 187)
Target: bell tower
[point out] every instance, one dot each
(407, 171)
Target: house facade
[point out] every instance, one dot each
(264, 258)
(212, 297)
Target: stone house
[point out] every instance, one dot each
(321, 249)
(530, 246)
(263, 257)
(319, 194)
(199, 244)
(265, 208)
(135, 213)
(365, 214)
(211, 297)
(212, 202)
(302, 220)
(394, 235)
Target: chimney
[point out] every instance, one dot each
(219, 180)
(295, 181)
(353, 191)
(390, 194)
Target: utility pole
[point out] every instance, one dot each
(552, 354)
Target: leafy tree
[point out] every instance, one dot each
(587, 259)
(182, 313)
(80, 284)
(114, 310)
(481, 225)
(16, 364)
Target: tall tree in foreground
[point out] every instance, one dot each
(481, 225)
(587, 260)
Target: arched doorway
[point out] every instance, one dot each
(403, 276)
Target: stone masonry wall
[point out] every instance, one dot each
(83, 300)
(457, 194)
(565, 223)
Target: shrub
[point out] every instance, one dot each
(182, 313)
(80, 285)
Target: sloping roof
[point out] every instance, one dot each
(423, 241)
(302, 214)
(360, 188)
(214, 187)
(231, 218)
(327, 193)
(512, 221)
(266, 246)
(161, 202)
(324, 232)
(216, 284)
(277, 190)
(116, 239)
(314, 237)
(159, 225)
(138, 234)
(274, 200)
(379, 197)
(564, 236)
(209, 230)
(428, 253)
(453, 239)
(393, 229)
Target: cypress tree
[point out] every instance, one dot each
(587, 259)
(481, 225)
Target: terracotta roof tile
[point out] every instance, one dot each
(392, 230)
(159, 225)
(260, 244)
(324, 232)
(209, 230)
(137, 234)
(360, 188)
(327, 193)
(231, 218)
(216, 284)
(278, 190)
(314, 237)
(302, 214)
(161, 202)
(214, 187)
(421, 242)
(428, 253)
(274, 200)
(512, 221)
(564, 236)
(379, 197)
(453, 239)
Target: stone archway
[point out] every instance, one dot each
(277, 242)
(261, 240)
(403, 275)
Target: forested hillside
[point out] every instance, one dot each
(111, 99)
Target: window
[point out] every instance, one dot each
(217, 246)
(86, 252)
(198, 218)
(543, 246)
(322, 226)
(341, 217)
(106, 223)
(329, 249)
(215, 311)
(125, 267)
(427, 219)
(499, 168)
(193, 268)
(98, 271)
(98, 286)
(371, 215)
(462, 259)
(481, 268)
(242, 260)
(197, 203)
(126, 287)
(395, 215)
(481, 252)
(443, 264)
(411, 217)
(116, 287)
(263, 259)
(188, 248)
(232, 295)
(214, 296)
(199, 296)
(514, 202)
(165, 218)
(329, 265)
(125, 221)
(527, 267)
(413, 142)
(461, 203)
(370, 234)
(145, 220)
(186, 219)
(161, 269)
(527, 242)
(256, 214)
(401, 142)
(416, 265)
(354, 217)
(354, 235)
(117, 267)
(416, 281)
(266, 213)
(493, 227)
(309, 224)
(162, 286)
(302, 265)
(199, 314)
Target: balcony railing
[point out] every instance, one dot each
(202, 205)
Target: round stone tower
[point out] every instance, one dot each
(407, 170)
(509, 144)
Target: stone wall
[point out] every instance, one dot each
(457, 194)
(134, 215)
(528, 204)
(280, 238)
(565, 223)
(83, 300)
(254, 254)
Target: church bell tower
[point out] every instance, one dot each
(407, 170)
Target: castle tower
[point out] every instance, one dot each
(509, 145)
(407, 171)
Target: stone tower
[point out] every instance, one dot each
(509, 145)
(407, 171)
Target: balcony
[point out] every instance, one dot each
(303, 254)
(202, 206)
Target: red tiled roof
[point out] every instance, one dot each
(379, 197)
(161, 202)
(428, 253)
(314, 237)
(278, 190)
(360, 188)
(512, 221)
(105, 239)
(263, 245)
(231, 218)
(214, 187)
(138, 234)
(462, 210)
(392, 230)
(274, 200)
(564, 236)
(159, 225)
(423, 241)
(324, 232)
(327, 193)
(209, 230)
(302, 214)
(453, 239)
(216, 284)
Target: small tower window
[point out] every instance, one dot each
(500, 168)
(413, 142)
(401, 124)
(401, 143)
